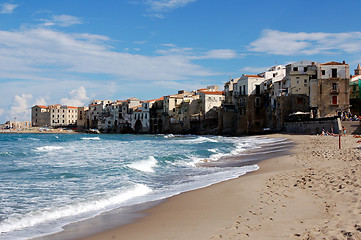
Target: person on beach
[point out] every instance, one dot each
(323, 133)
(344, 130)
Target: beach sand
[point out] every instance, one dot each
(312, 193)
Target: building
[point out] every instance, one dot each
(54, 116)
(40, 116)
(330, 92)
(249, 101)
(355, 92)
(82, 118)
(16, 125)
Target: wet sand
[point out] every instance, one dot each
(312, 193)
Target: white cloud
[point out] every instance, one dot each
(218, 54)
(189, 53)
(20, 108)
(166, 5)
(40, 101)
(78, 98)
(301, 43)
(61, 20)
(45, 54)
(7, 8)
(1, 111)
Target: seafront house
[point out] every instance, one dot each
(82, 118)
(355, 89)
(16, 125)
(54, 116)
(40, 116)
(301, 90)
(330, 92)
(210, 103)
(250, 103)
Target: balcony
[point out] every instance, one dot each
(335, 91)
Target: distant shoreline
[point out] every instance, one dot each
(38, 131)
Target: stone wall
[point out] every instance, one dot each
(314, 126)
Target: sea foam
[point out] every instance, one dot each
(48, 148)
(91, 138)
(145, 165)
(46, 215)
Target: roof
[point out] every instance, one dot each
(355, 77)
(333, 63)
(153, 100)
(213, 92)
(95, 105)
(72, 107)
(254, 76)
(358, 66)
(41, 106)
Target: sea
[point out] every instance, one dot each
(48, 181)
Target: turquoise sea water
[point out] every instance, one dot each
(50, 180)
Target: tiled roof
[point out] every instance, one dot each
(213, 92)
(333, 63)
(254, 76)
(72, 107)
(41, 106)
(158, 99)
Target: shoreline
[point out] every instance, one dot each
(287, 198)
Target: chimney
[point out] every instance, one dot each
(343, 62)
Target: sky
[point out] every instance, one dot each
(70, 52)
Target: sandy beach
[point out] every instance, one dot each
(312, 193)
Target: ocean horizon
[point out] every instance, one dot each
(49, 181)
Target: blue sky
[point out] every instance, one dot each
(71, 52)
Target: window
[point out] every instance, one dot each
(323, 72)
(334, 72)
(258, 89)
(244, 89)
(305, 69)
(295, 69)
(334, 86)
(334, 100)
(305, 81)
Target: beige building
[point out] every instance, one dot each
(299, 75)
(330, 92)
(210, 98)
(82, 122)
(40, 116)
(54, 116)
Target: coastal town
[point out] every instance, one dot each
(318, 95)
